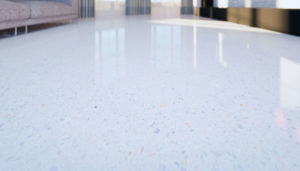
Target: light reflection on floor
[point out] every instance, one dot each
(150, 93)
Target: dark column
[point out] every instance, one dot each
(207, 4)
(187, 7)
(135, 7)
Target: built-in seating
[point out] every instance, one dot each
(11, 11)
(40, 9)
(18, 13)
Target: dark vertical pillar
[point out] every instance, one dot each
(135, 7)
(86, 8)
(207, 4)
(187, 7)
(254, 17)
(294, 24)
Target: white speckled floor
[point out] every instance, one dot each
(142, 93)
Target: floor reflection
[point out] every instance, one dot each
(289, 84)
(166, 41)
(220, 50)
(207, 23)
(109, 54)
(211, 95)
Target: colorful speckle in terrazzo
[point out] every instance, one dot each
(100, 101)
(156, 130)
(298, 133)
(280, 118)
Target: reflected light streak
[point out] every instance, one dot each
(195, 47)
(96, 57)
(289, 83)
(212, 24)
(220, 50)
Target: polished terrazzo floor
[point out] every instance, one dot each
(149, 93)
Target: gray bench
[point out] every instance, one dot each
(23, 13)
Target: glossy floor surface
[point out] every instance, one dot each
(148, 93)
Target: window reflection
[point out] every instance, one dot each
(109, 53)
(289, 83)
(195, 46)
(166, 44)
(220, 50)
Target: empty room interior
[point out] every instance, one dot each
(146, 85)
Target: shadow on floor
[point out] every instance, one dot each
(7, 33)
